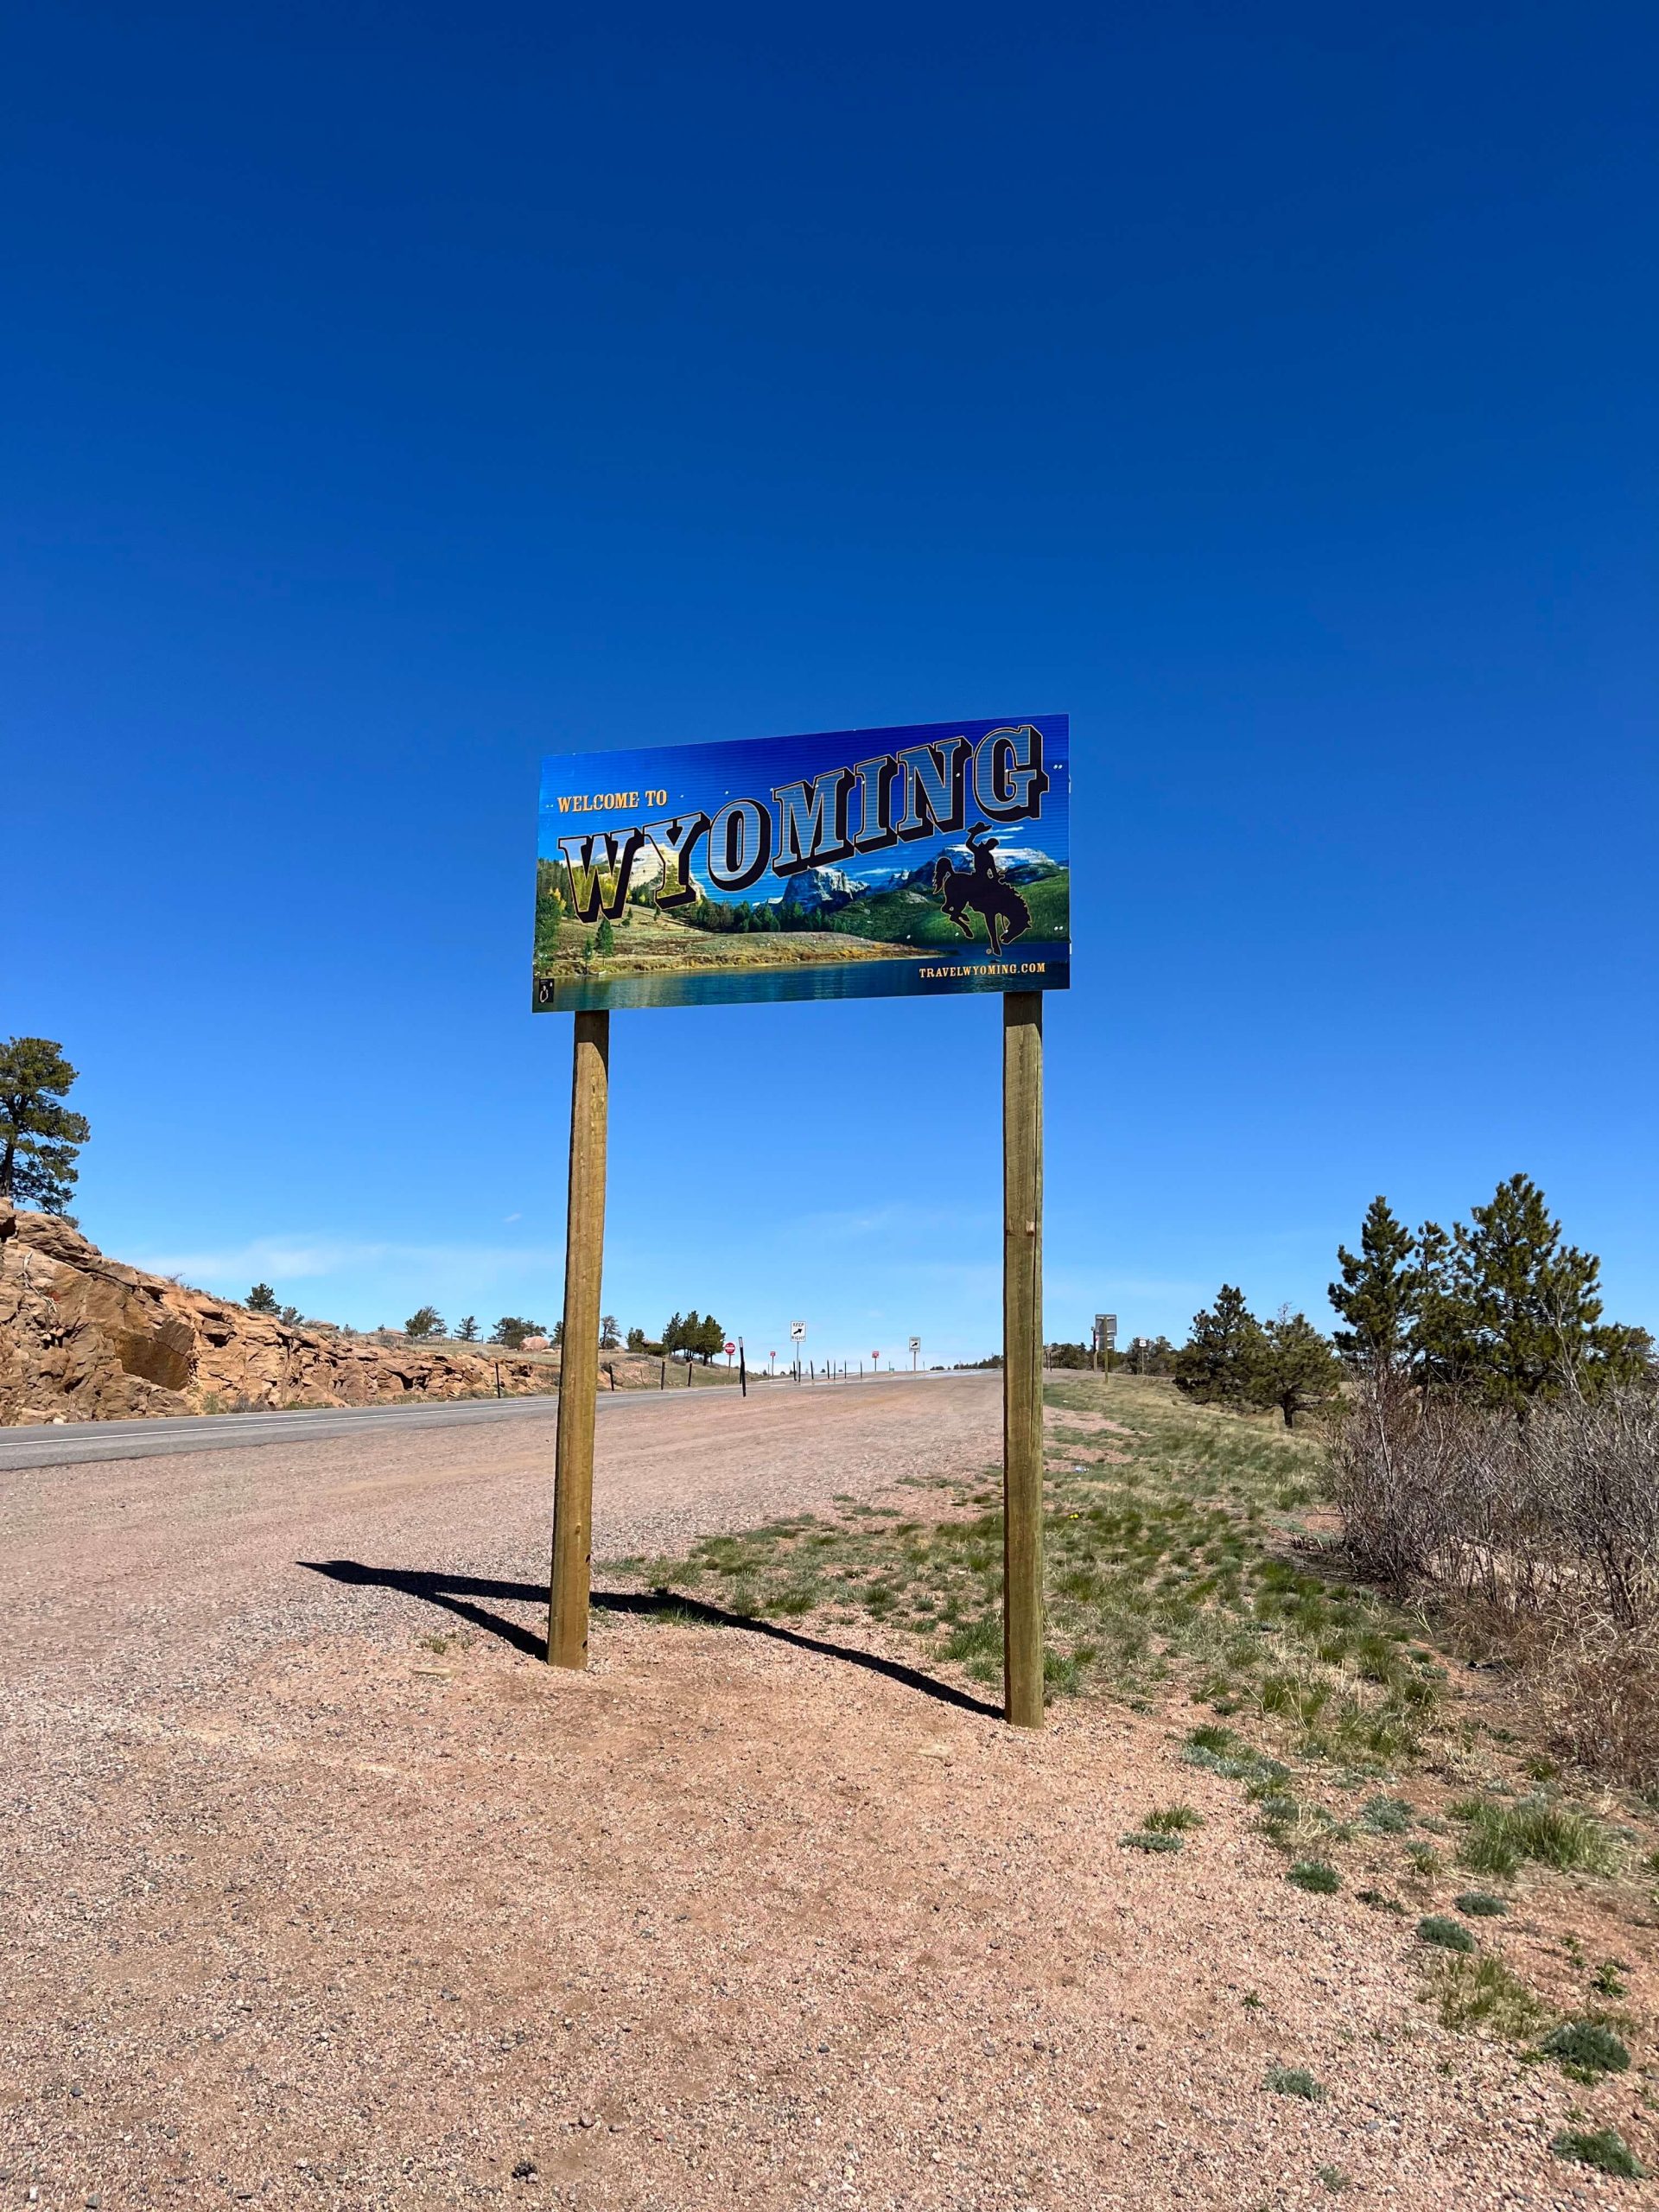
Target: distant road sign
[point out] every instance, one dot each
(797, 1330)
(1106, 1330)
(915, 1345)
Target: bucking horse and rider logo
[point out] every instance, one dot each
(982, 888)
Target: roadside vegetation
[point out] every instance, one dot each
(1194, 1561)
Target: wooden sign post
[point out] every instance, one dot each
(584, 1259)
(1022, 1358)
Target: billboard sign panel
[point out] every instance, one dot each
(926, 861)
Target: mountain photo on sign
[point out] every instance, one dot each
(860, 864)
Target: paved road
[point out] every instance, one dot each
(76, 1444)
(188, 1559)
(81, 1443)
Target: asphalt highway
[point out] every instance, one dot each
(81, 1443)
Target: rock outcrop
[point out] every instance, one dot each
(83, 1338)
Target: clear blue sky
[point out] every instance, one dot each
(393, 393)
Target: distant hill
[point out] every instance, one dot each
(912, 916)
(83, 1338)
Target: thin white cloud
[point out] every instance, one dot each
(300, 1259)
(897, 1217)
(1069, 1283)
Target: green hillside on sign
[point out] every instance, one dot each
(915, 917)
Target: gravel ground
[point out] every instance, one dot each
(302, 1912)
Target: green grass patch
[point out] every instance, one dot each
(1317, 1876)
(1148, 1839)
(1293, 2081)
(1604, 2148)
(1171, 1820)
(1445, 1934)
(1480, 1904)
(1587, 2050)
(1480, 1993)
(1501, 1839)
(1387, 1816)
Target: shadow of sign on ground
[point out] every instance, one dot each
(459, 1594)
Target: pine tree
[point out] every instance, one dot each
(40, 1136)
(1298, 1371)
(425, 1321)
(262, 1298)
(1442, 1340)
(1530, 1301)
(466, 1329)
(1377, 1293)
(605, 940)
(549, 911)
(512, 1330)
(1223, 1360)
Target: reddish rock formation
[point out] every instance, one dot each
(84, 1338)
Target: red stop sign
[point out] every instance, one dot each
(730, 1348)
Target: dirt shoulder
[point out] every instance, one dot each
(319, 1894)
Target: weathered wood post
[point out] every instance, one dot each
(1022, 1358)
(584, 1259)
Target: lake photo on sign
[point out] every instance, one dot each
(860, 864)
